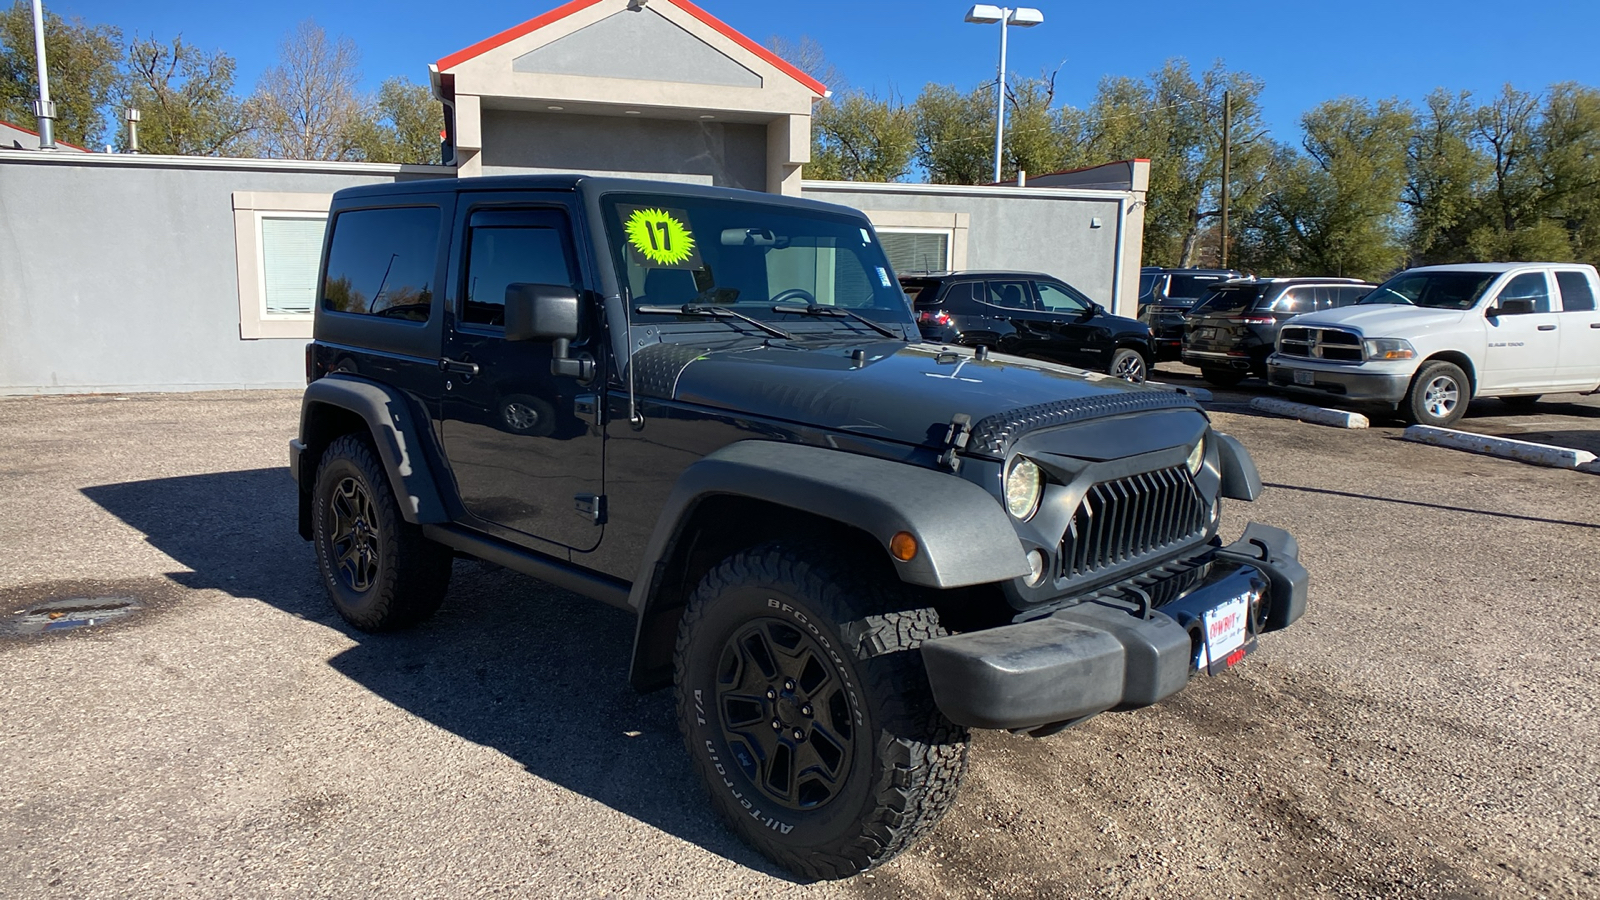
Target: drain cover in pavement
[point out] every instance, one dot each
(71, 612)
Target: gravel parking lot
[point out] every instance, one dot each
(1431, 728)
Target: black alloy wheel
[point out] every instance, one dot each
(356, 549)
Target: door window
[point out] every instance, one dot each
(506, 248)
(1294, 301)
(1576, 293)
(1528, 286)
(1057, 298)
(1348, 296)
(1012, 295)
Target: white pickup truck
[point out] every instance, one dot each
(1429, 340)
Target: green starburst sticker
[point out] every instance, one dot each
(660, 237)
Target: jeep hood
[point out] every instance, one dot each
(891, 390)
(1378, 320)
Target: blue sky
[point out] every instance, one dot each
(1306, 52)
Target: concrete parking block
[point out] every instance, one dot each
(1523, 451)
(1305, 412)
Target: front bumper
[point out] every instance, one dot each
(1046, 673)
(1364, 383)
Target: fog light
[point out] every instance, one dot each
(903, 546)
(1035, 567)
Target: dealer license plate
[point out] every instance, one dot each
(1306, 378)
(1208, 332)
(1227, 628)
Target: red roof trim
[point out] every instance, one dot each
(511, 34)
(728, 31)
(565, 10)
(36, 134)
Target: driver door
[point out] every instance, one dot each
(1080, 339)
(1522, 349)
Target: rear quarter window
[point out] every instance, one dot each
(381, 262)
(1576, 294)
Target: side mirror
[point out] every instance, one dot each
(548, 312)
(1512, 306)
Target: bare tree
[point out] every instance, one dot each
(308, 106)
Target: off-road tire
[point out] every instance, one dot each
(1223, 378)
(406, 576)
(904, 760)
(1438, 395)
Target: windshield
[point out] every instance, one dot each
(1435, 290)
(672, 251)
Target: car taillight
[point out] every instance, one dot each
(1255, 320)
(931, 317)
(313, 371)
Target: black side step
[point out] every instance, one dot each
(545, 568)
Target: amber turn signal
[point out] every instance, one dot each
(903, 546)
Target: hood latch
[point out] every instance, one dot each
(955, 440)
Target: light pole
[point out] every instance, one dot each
(43, 108)
(1022, 17)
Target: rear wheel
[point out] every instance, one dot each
(380, 572)
(805, 707)
(1225, 378)
(1129, 365)
(1438, 396)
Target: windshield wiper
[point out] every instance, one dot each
(712, 311)
(835, 312)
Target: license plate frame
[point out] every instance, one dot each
(1305, 377)
(1208, 333)
(1226, 629)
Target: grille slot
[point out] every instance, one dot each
(1331, 344)
(1125, 519)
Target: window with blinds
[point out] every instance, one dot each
(291, 247)
(916, 251)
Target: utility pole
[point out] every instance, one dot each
(43, 108)
(1227, 163)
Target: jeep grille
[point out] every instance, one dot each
(1328, 344)
(1123, 520)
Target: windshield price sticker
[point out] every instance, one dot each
(660, 238)
(1225, 634)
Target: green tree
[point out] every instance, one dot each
(83, 65)
(185, 99)
(1334, 208)
(955, 134)
(1512, 222)
(308, 106)
(1445, 173)
(402, 125)
(1569, 136)
(858, 137)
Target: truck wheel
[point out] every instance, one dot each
(1129, 365)
(380, 572)
(1438, 395)
(1224, 378)
(806, 709)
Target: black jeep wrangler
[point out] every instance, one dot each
(845, 548)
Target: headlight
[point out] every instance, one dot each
(1024, 485)
(1197, 456)
(1389, 348)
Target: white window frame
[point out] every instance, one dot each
(249, 209)
(904, 221)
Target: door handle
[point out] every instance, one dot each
(446, 364)
(1547, 328)
(1594, 324)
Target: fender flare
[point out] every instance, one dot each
(1240, 479)
(392, 424)
(963, 535)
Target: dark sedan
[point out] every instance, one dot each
(1028, 314)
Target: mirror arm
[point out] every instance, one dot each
(564, 365)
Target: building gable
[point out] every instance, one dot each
(674, 54)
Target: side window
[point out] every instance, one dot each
(1577, 295)
(1529, 286)
(1011, 295)
(959, 296)
(1294, 301)
(506, 248)
(1347, 296)
(381, 262)
(1058, 299)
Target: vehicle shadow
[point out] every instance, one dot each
(1439, 506)
(512, 663)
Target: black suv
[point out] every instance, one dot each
(1230, 334)
(843, 548)
(1028, 314)
(1165, 298)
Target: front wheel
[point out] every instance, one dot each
(1129, 365)
(805, 707)
(1438, 396)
